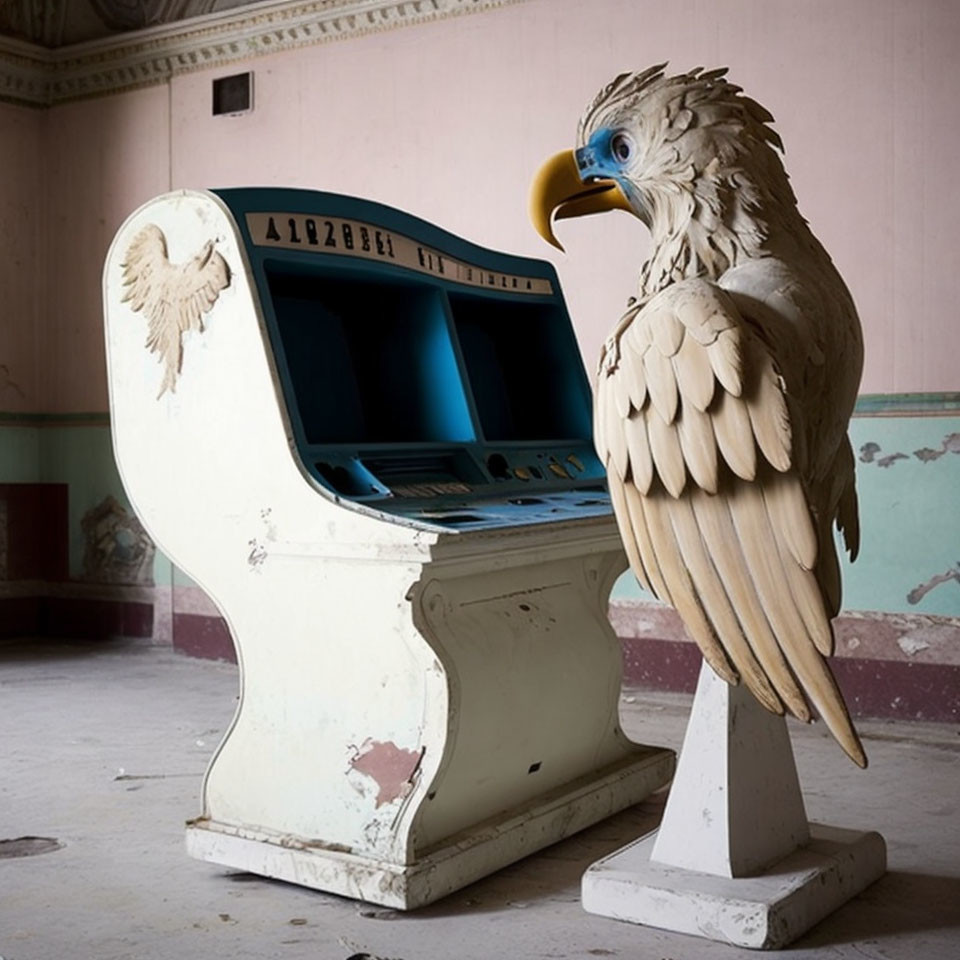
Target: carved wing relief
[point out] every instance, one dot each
(173, 297)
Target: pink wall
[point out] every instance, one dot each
(451, 119)
(103, 158)
(20, 233)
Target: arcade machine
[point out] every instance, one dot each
(369, 441)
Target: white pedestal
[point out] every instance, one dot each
(735, 859)
(763, 912)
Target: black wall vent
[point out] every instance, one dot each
(233, 94)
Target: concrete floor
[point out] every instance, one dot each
(103, 748)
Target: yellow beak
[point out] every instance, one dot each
(558, 192)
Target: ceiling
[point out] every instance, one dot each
(57, 23)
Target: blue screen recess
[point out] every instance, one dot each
(423, 376)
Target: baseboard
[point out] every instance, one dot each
(203, 636)
(889, 666)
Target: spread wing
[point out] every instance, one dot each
(174, 297)
(693, 426)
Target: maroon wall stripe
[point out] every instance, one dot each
(19, 617)
(36, 535)
(205, 637)
(82, 618)
(872, 688)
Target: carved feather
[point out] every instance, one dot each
(731, 424)
(661, 383)
(687, 549)
(716, 526)
(638, 446)
(694, 374)
(699, 446)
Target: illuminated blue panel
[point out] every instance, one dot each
(423, 375)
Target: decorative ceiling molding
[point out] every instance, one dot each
(32, 75)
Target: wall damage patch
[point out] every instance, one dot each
(116, 548)
(921, 590)
(869, 452)
(392, 768)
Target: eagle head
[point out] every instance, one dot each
(668, 150)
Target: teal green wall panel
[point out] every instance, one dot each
(19, 454)
(76, 452)
(180, 579)
(908, 482)
(81, 457)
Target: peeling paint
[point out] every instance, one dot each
(389, 766)
(271, 527)
(949, 444)
(257, 554)
(869, 451)
(921, 590)
(911, 646)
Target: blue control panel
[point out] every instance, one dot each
(423, 375)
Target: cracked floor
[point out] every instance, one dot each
(104, 748)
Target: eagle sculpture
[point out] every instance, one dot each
(174, 297)
(724, 392)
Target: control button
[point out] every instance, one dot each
(498, 466)
(576, 461)
(521, 473)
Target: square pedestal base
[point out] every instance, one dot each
(762, 912)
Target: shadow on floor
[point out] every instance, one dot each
(898, 904)
(44, 650)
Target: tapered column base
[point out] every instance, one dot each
(764, 912)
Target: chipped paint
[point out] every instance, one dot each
(257, 554)
(873, 636)
(921, 590)
(911, 646)
(869, 451)
(391, 767)
(266, 515)
(949, 444)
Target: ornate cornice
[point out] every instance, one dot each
(32, 75)
(24, 73)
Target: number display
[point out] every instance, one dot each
(353, 238)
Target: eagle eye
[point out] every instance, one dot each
(621, 146)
